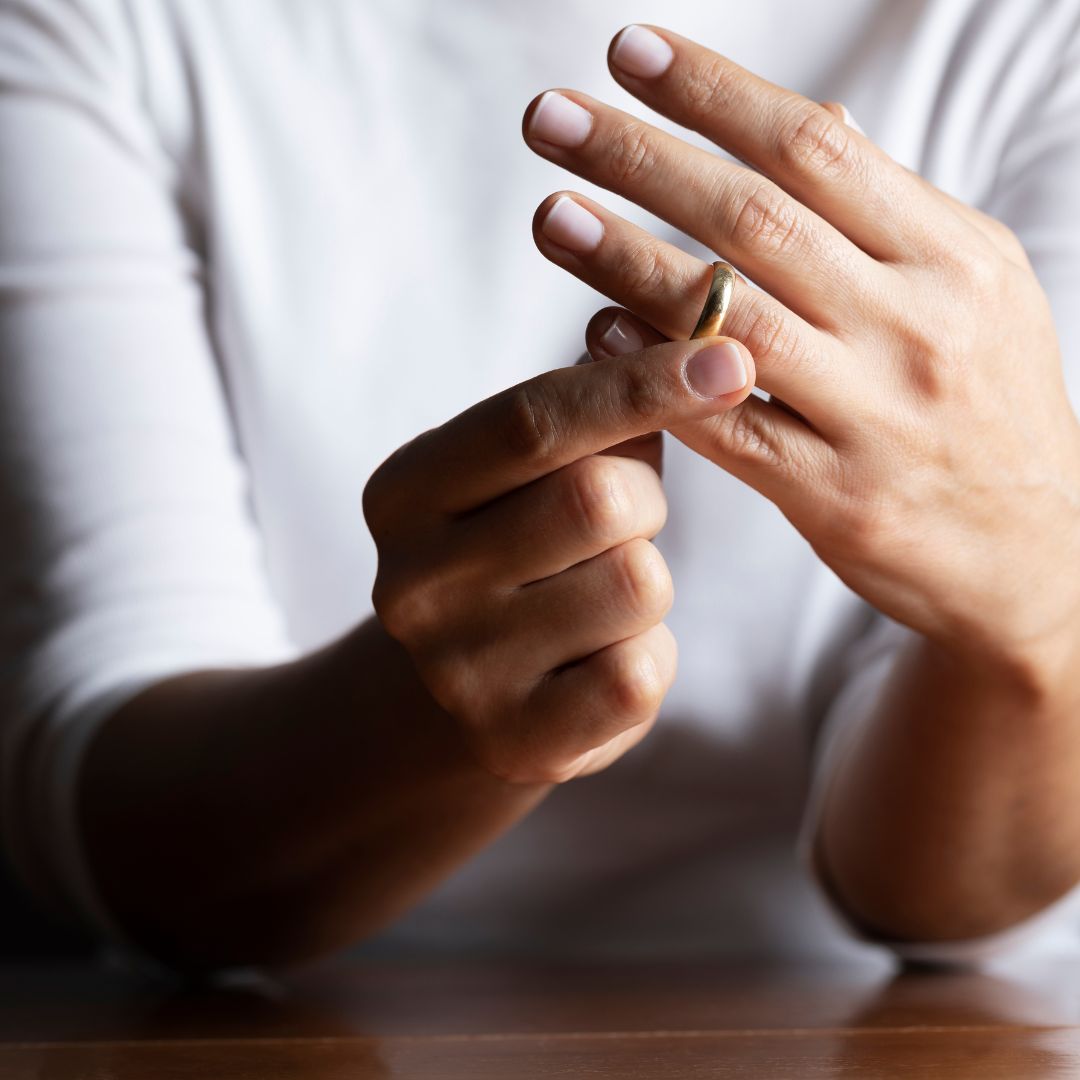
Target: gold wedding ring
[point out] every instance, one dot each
(717, 302)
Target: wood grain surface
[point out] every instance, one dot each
(524, 1020)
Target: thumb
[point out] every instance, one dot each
(615, 332)
(741, 440)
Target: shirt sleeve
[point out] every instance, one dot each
(1037, 194)
(129, 550)
(869, 665)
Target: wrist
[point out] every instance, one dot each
(1042, 674)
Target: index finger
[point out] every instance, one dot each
(553, 419)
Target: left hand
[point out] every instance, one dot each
(920, 435)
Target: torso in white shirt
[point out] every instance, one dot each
(341, 166)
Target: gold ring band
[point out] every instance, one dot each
(717, 302)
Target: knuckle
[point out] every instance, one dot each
(641, 395)
(767, 220)
(408, 612)
(531, 431)
(1011, 244)
(645, 270)
(643, 579)
(600, 499)
(450, 681)
(746, 438)
(979, 270)
(632, 154)
(933, 373)
(372, 503)
(1006, 242)
(975, 271)
(750, 443)
(935, 359)
(918, 342)
(814, 140)
(376, 500)
(772, 339)
(708, 88)
(394, 617)
(634, 685)
(861, 525)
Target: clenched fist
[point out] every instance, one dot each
(515, 557)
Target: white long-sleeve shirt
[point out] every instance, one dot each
(217, 218)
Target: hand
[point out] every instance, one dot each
(515, 562)
(920, 436)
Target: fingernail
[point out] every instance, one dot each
(559, 120)
(850, 120)
(570, 225)
(716, 370)
(621, 338)
(640, 52)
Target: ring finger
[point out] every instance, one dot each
(666, 287)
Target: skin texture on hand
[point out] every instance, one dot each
(879, 320)
(269, 816)
(918, 435)
(516, 563)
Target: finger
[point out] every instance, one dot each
(600, 757)
(666, 287)
(821, 162)
(610, 333)
(767, 444)
(789, 250)
(613, 595)
(841, 112)
(648, 448)
(645, 448)
(996, 232)
(601, 706)
(564, 518)
(548, 421)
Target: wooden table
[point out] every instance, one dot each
(519, 1021)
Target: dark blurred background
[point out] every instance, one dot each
(29, 932)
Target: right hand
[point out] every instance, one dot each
(515, 563)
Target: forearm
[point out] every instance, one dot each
(955, 812)
(270, 815)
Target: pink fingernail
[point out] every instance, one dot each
(716, 370)
(640, 52)
(559, 120)
(570, 225)
(621, 338)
